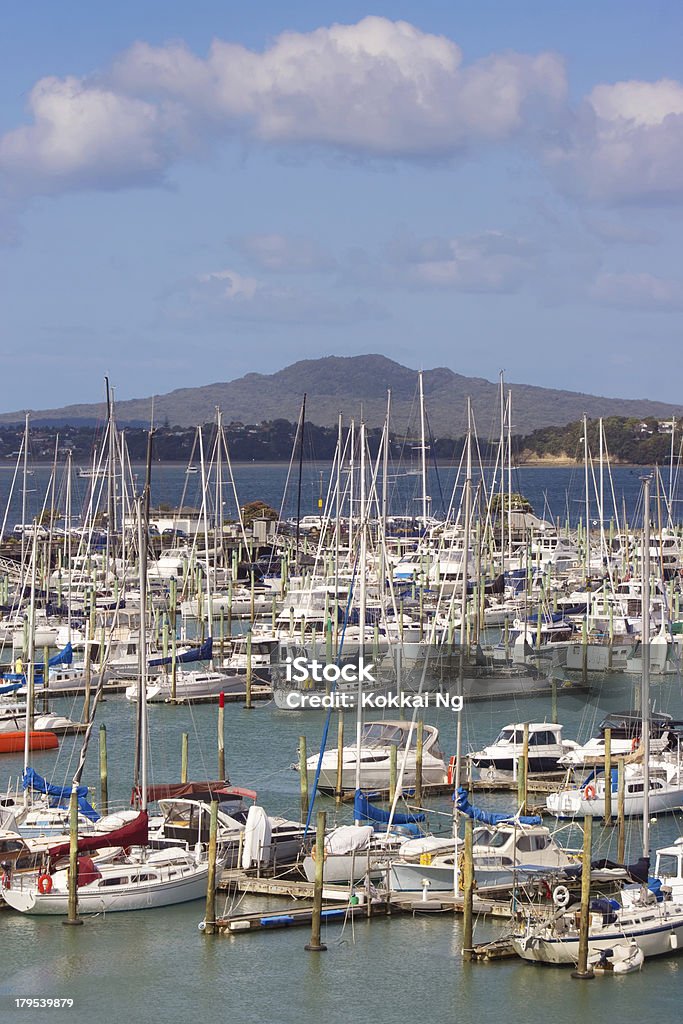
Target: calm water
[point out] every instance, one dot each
(553, 493)
(157, 965)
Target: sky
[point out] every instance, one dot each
(193, 192)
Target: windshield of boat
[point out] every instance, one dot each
(511, 736)
(486, 838)
(377, 734)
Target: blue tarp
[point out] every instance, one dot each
(202, 653)
(487, 817)
(60, 794)
(363, 809)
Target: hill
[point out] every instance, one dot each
(344, 384)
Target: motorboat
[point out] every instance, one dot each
(371, 760)
(503, 855)
(545, 749)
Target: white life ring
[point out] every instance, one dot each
(561, 896)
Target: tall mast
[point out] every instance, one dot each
(24, 494)
(645, 680)
(302, 420)
(423, 449)
(142, 693)
(588, 507)
(362, 603)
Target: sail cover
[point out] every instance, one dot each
(202, 653)
(465, 807)
(32, 780)
(364, 810)
(134, 833)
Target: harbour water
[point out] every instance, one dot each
(157, 965)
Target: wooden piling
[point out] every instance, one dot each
(184, 742)
(315, 945)
(72, 916)
(583, 971)
(104, 774)
(393, 771)
(608, 777)
(210, 913)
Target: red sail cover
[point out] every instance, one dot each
(133, 834)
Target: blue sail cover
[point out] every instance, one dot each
(32, 780)
(465, 807)
(201, 653)
(12, 686)
(363, 809)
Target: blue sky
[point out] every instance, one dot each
(190, 193)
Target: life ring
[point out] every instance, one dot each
(44, 884)
(561, 896)
(589, 792)
(6, 880)
(635, 743)
(313, 854)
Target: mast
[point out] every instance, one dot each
(302, 420)
(588, 512)
(423, 452)
(23, 494)
(30, 657)
(142, 693)
(645, 679)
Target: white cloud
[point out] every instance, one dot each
(377, 88)
(625, 144)
(489, 262)
(85, 135)
(638, 291)
(285, 254)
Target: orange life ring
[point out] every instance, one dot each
(313, 851)
(635, 743)
(589, 792)
(44, 884)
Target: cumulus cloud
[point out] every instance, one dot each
(285, 254)
(625, 143)
(638, 291)
(492, 261)
(377, 88)
(87, 135)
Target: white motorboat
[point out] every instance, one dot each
(373, 758)
(190, 686)
(504, 854)
(500, 758)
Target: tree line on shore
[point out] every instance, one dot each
(625, 440)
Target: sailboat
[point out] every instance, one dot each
(143, 877)
(644, 914)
